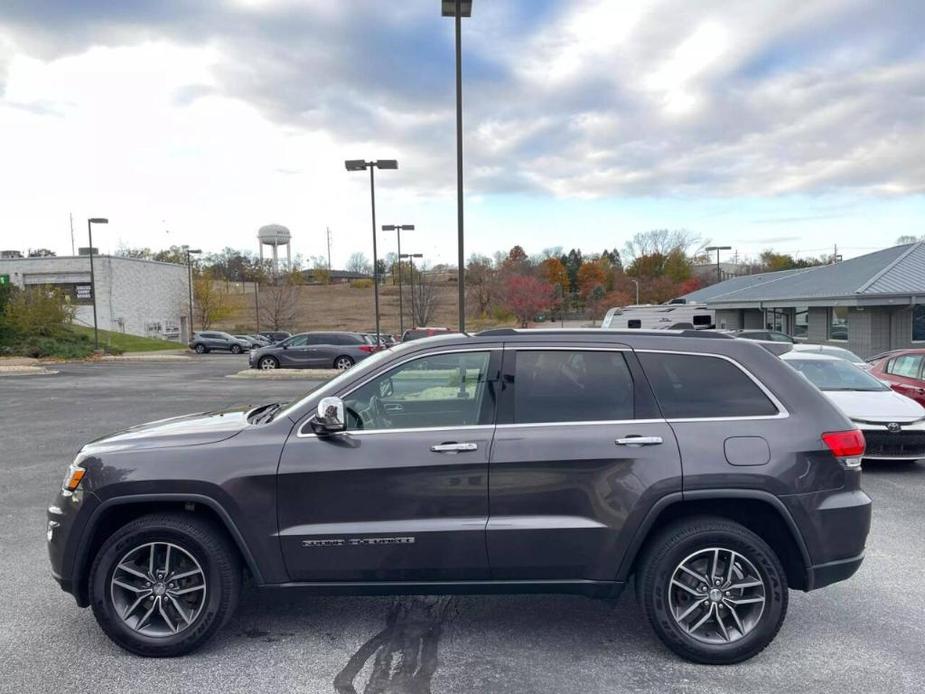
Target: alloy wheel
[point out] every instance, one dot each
(343, 363)
(158, 589)
(716, 595)
(267, 363)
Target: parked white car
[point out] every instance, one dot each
(893, 425)
(831, 351)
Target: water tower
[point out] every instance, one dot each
(275, 235)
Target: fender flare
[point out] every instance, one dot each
(80, 562)
(663, 503)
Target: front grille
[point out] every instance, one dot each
(902, 444)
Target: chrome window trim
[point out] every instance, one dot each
(583, 422)
(782, 412)
(498, 348)
(410, 430)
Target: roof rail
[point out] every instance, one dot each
(508, 332)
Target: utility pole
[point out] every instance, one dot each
(73, 250)
(328, 235)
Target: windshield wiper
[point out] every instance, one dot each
(265, 414)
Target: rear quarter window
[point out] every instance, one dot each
(696, 386)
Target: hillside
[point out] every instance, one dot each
(342, 307)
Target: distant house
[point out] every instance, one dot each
(334, 276)
(870, 304)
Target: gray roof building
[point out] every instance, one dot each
(875, 302)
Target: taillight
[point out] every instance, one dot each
(848, 446)
(367, 348)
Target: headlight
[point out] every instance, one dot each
(75, 473)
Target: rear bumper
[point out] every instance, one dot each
(834, 526)
(821, 575)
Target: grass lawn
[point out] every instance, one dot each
(128, 343)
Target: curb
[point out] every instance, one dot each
(286, 374)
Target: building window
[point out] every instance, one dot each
(838, 323)
(918, 323)
(801, 322)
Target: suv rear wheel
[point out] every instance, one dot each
(713, 591)
(163, 584)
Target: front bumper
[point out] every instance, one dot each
(907, 442)
(67, 519)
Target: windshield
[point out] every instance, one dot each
(828, 374)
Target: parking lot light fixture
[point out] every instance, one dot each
(459, 9)
(189, 269)
(398, 228)
(411, 257)
(362, 165)
(90, 223)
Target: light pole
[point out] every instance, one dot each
(189, 270)
(90, 223)
(411, 257)
(362, 165)
(401, 310)
(718, 249)
(636, 282)
(459, 9)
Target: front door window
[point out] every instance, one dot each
(437, 391)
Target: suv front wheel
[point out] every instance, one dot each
(163, 584)
(713, 591)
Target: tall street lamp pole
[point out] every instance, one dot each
(401, 310)
(362, 165)
(189, 270)
(719, 277)
(411, 257)
(90, 223)
(459, 9)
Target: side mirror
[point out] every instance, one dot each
(329, 419)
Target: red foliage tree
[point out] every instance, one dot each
(526, 296)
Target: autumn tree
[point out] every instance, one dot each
(211, 301)
(482, 285)
(426, 298)
(593, 274)
(527, 296)
(553, 271)
(279, 302)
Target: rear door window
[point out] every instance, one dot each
(697, 386)
(908, 366)
(571, 386)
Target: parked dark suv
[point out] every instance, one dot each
(566, 461)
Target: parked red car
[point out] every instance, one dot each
(902, 369)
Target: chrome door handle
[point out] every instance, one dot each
(454, 447)
(639, 441)
(394, 407)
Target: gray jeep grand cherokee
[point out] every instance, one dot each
(513, 461)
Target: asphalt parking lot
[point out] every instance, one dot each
(863, 635)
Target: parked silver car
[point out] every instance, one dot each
(210, 340)
(315, 350)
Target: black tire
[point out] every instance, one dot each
(343, 362)
(685, 539)
(200, 348)
(211, 548)
(235, 349)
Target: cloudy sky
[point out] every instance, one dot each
(761, 123)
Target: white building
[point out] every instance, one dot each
(139, 297)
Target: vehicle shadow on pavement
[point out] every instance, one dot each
(395, 645)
